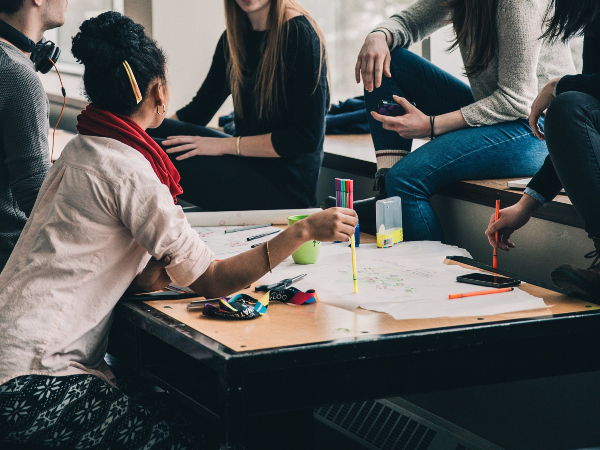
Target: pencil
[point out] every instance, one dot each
(497, 216)
(473, 294)
(251, 238)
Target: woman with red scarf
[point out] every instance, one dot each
(106, 221)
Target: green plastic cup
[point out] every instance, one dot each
(307, 253)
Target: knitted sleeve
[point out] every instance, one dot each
(24, 132)
(416, 22)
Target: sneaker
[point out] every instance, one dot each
(585, 282)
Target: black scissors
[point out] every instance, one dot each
(279, 285)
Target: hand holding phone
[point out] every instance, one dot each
(390, 109)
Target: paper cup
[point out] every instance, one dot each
(307, 253)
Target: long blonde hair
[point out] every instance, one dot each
(270, 80)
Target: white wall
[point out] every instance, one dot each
(188, 31)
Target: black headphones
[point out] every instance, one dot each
(42, 53)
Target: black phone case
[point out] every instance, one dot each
(389, 109)
(461, 279)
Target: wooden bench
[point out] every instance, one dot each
(354, 154)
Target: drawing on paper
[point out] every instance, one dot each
(398, 279)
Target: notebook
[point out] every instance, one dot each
(522, 184)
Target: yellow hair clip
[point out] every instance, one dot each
(134, 85)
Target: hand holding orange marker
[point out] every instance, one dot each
(473, 294)
(495, 260)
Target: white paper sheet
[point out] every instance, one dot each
(225, 245)
(407, 281)
(241, 218)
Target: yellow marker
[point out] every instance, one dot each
(354, 277)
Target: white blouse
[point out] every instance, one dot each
(100, 214)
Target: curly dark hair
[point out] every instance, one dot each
(568, 18)
(10, 6)
(102, 45)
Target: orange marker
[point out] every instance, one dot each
(473, 294)
(495, 260)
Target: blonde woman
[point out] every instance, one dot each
(271, 59)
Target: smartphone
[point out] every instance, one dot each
(391, 109)
(484, 279)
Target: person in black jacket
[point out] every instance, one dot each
(271, 59)
(572, 133)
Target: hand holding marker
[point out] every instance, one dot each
(344, 190)
(494, 265)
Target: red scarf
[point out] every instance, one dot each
(97, 122)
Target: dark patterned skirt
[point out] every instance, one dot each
(82, 412)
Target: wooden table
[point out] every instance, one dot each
(258, 381)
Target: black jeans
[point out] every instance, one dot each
(221, 183)
(572, 134)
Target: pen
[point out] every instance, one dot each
(279, 285)
(495, 259)
(256, 245)
(258, 236)
(473, 294)
(161, 295)
(199, 304)
(251, 227)
(178, 289)
(354, 276)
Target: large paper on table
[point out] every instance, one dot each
(241, 218)
(407, 281)
(225, 245)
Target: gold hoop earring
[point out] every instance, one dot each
(164, 110)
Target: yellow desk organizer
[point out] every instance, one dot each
(389, 222)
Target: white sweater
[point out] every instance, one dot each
(100, 214)
(521, 68)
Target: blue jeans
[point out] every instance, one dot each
(504, 150)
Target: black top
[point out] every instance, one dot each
(298, 131)
(546, 182)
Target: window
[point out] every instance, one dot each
(77, 12)
(346, 23)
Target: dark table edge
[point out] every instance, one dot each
(204, 348)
